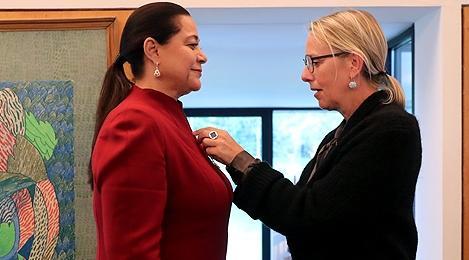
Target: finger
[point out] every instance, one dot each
(201, 133)
(207, 142)
(204, 132)
(202, 146)
(210, 151)
(213, 153)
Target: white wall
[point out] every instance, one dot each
(438, 105)
(429, 110)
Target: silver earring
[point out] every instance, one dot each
(157, 72)
(352, 84)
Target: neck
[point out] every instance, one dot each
(157, 85)
(355, 99)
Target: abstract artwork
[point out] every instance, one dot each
(36, 170)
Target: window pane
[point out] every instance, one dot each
(403, 71)
(244, 234)
(296, 136)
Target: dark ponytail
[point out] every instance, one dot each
(115, 88)
(154, 20)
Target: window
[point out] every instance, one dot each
(244, 233)
(401, 64)
(287, 139)
(296, 137)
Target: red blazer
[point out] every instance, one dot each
(156, 195)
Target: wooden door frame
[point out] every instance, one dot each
(465, 132)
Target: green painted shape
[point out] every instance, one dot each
(41, 135)
(7, 238)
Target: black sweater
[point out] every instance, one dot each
(359, 202)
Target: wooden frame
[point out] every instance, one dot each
(112, 21)
(465, 135)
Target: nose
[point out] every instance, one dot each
(306, 75)
(202, 58)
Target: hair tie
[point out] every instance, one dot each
(120, 60)
(382, 78)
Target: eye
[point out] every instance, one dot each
(193, 46)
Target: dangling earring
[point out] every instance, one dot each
(352, 84)
(157, 72)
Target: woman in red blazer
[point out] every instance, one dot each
(156, 194)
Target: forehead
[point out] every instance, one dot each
(314, 46)
(187, 26)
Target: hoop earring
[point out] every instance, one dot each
(157, 72)
(352, 84)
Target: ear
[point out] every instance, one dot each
(356, 65)
(150, 49)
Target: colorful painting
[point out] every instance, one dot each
(36, 170)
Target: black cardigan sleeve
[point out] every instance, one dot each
(380, 166)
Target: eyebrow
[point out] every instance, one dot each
(193, 37)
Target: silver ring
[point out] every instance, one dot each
(213, 135)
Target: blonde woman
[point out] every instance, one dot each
(354, 199)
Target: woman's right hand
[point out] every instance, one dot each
(218, 144)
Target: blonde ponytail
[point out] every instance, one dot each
(394, 89)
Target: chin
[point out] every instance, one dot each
(325, 106)
(321, 104)
(195, 87)
(189, 90)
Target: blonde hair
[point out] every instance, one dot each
(358, 32)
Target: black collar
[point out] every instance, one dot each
(364, 109)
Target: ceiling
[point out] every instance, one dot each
(394, 20)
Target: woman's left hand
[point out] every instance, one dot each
(218, 144)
